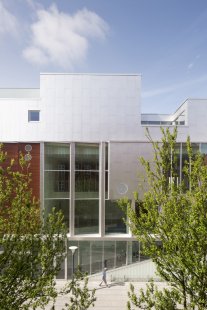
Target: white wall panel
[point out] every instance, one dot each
(88, 107)
(126, 169)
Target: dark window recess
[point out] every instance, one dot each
(33, 116)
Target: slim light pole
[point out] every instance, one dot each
(73, 248)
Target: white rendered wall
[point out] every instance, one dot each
(127, 174)
(197, 119)
(14, 125)
(85, 107)
(73, 107)
(89, 108)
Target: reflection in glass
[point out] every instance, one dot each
(92, 256)
(87, 157)
(84, 256)
(86, 216)
(204, 152)
(109, 254)
(86, 184)
(135, 251)
(57, 156)
(195, 149)
(96, 256)
(121, 253)
(114, 218)
(57, 184)
(106, 157)
(62, 205)
(106, 184)
(204, 148)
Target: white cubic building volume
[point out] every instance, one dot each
(83, 134)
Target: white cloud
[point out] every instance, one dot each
(8, 22)
(190, 66)
(63, 39)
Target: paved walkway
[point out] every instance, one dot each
(113, 297)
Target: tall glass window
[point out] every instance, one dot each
(114, 218)
(57, 179)
(87, 184)
(86, 188)
(87, 157)
(86, 216)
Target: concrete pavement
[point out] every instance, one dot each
(113, 297)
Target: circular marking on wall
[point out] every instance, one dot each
(27, 157)
(122, 188)
(28, 148)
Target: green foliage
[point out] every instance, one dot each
(152, 298)
(172, 221)
(31, 250)
(80, 298)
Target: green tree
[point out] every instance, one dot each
(80, 298)
(31, 248)
(171, 224)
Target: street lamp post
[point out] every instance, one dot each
(73, 249)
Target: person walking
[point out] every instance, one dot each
(104, 277)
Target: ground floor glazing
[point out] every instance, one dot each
(93, 255)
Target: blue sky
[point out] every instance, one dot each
(163, 40)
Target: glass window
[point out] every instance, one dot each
(62, 205)
(204, 148)
(57, 184)
(96, 256)
(121, 247)
(106, 184)
(204, 151)
(84, 256)
(87, 157)
(33, 116)
(57, 156)
(106, 157)
(109, 254)
(86, 216)
(86, 184)
(114, 218)
(135, 251)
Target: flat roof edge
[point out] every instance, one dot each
(93, 74)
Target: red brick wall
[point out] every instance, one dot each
(13, 150)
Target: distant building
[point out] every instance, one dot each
(83, 134)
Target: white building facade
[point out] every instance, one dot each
(90, 133)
